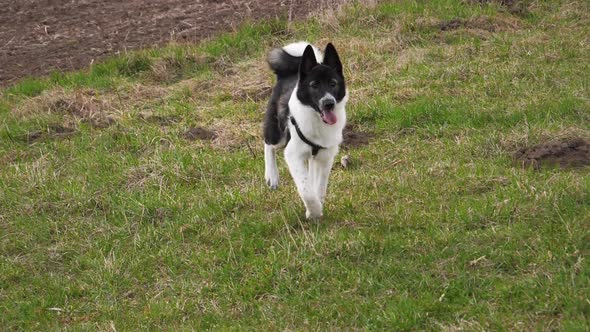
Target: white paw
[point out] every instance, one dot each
(313, 215)
(313, 210)
(272, 181)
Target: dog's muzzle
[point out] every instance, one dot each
(327, 105)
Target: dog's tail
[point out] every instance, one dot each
(285, 61)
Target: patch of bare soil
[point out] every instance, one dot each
(52, 131)
(199, 133)
(354, 137)
(566, 153)
(41, 36)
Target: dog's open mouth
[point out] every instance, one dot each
(329, 117)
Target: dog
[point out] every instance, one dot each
(305, 115)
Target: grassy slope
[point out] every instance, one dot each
(129, 225)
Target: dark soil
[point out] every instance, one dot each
(162, 120)
(41, 36)
(453, 24)
(199, 133)
(354, 137)
(52, 131)
(564, 153)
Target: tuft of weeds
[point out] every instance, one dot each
(28, 87)
(133, 64)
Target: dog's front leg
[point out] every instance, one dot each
(271, 172)
(322, 163)
(297, 161)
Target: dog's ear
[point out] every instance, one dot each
(332, 60)
(308, 61)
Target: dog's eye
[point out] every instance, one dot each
(333, 83)
(314, 85)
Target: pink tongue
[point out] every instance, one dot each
(329, 117)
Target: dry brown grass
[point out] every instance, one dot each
(330, 12)
(138, 94)
(243, 81)
(99, 109)
(578, 10)
(167, 69)
(82, 105)
(248, 81)
(146, 174)
(229, 136)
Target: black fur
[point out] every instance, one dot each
(315, 80)
(277, 111)
(332, 60)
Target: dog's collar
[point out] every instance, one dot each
(314, 147)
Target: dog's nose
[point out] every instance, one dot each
(328, 104)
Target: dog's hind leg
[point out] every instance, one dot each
(272, 137)
(271, 172)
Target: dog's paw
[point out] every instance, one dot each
(272, 182)
(313, 215)
(313, 210)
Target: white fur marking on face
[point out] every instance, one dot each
(297, 49)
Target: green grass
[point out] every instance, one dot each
(129, 226)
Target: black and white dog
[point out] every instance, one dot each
(305, 113)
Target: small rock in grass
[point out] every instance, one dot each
(344, 161)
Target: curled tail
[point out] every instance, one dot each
(285, 61)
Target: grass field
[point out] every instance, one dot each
(111, 218)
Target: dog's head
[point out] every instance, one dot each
(321, 86)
